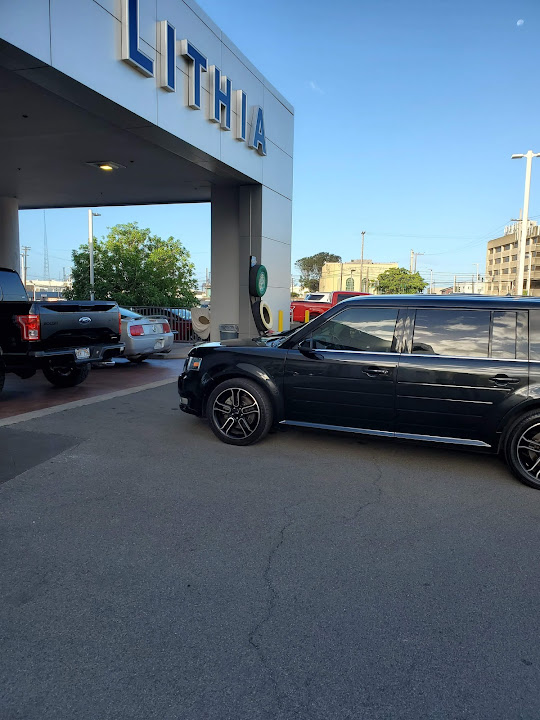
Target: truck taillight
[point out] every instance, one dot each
(30, 327)
(119, 324)
(136, 330)
(166, 327)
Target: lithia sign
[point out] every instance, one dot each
(222, 95)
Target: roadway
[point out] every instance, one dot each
(149, 571)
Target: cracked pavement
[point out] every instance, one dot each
(149, 571)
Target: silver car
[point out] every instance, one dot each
(144, 336)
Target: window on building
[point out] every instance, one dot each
(505, 271)
(497, 261)
(498, 249)
(507, 247)
(463, 333)
(358, 329)
(506, 259)
(495, 272)
(349, 285)
(514, 257)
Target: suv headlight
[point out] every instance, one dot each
(193, 363)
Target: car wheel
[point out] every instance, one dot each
(522, 449)
(239, 412)
(66, 375)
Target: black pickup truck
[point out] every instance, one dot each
(61, 338)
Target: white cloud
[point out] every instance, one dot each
(313, 85)
(520, 22)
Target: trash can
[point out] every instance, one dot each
(228, 332)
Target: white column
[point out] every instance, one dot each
(249, 220)
(9, 234)
(225, 300)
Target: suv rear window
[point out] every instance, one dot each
(504, 332)
(11, 287)
(459, 333)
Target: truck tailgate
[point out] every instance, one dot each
(73, 323)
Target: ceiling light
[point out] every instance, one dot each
(106, 165)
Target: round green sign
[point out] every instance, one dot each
(262, 281)
(258, 280)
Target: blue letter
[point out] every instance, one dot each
(130, 39)
(241, 115)
(167, 49)
(220, 94)
(257, 138)
(198, 64)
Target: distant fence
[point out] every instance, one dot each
(179, 318)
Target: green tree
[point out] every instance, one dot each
(400, 280)
(133, 267)
(311, 268)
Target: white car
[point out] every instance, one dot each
(144, 336)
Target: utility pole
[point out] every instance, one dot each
(525, 220)
(362, 261)
(46, 270)
(25, 249)
(455, 283)
(431, 282)
(91, 216)
(414, 256)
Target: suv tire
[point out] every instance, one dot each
(522, 448)
(239, 412)
(66, 375)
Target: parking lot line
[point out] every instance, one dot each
(80, 403)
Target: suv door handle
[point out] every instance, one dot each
(504, 380)
(374, 371)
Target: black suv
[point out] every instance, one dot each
(458, 369)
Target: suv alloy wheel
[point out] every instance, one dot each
(522, 448)
(239, 412)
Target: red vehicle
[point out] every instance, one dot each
(319, 302)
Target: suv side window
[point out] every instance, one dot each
(358, 330)
(342, 296)
(534, 334)
(461, 333)
(503, 335)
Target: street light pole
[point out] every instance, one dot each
(91, 216)
(524, 221)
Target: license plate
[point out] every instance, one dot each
(82, 353)
(159, 344)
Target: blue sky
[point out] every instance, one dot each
(406, 114)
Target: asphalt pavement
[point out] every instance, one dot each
(149, 571)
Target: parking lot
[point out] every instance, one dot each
(36, 397)
(149, 571)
